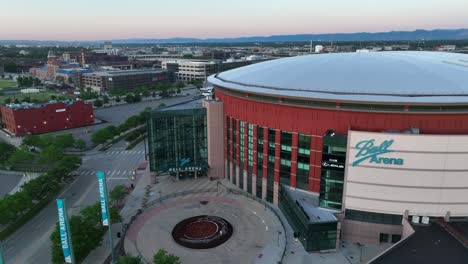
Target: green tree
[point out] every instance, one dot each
(137, 98)
(129, 260)
(20, 81)
(162, 257)
(117, 194)
(33, 141)
(180, 85)
(16, 101)
(64, 141)
(97, 103)
(53, 97)
(20, 156)
(117, 99)
(86, 232)
(80, 144)
(51, 154)
(37, 82)
(129, 98)
(6, 150)
(105, 99)
(7, 101)
(102, 135)
(162, 105)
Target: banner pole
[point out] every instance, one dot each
(106, 217)
(65, 234)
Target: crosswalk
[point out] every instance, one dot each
(125, 152)
(110, 174)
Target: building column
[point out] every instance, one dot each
(231, 157)
(277, 166)
(255, 160)
(254, 185)
(315, 169)
(295, 140)
(226, 168)
(232, 172)
(265, 162)
(246, 154)
(244, 186)
(238, 171)
(226, 148)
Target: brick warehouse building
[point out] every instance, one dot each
(26, 118)
(350, 146)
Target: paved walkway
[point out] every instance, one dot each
(255, 238)
(258, 235)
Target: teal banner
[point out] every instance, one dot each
(64, 230)
(103, 197)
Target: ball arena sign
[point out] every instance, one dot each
(368, 150)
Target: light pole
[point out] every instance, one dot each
(144, 143)
(2, 259)
(360, 251)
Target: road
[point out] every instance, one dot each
(9, 181)
(31, 243)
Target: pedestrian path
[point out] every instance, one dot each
(125, 152)
(110, 174)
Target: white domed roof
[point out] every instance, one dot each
(412, 77)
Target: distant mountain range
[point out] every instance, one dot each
(436, 34)
(420, 34)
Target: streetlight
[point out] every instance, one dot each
(144, 144)
(360, 251)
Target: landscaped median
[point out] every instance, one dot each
(134, 125)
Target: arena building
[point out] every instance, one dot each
(352, 146)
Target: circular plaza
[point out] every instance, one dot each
(212, 227)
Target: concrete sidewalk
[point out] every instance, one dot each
(27, 176)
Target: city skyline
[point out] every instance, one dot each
(122, 19)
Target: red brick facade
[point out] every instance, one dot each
(49, 117)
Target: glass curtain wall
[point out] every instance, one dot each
(234, 150)
(177, 141)
(241, 153)
(303, 162)
(250, 145)
(285, 158)
(314, 236)
(271, 164)
(332, 177)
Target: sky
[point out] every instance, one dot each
(123, 19)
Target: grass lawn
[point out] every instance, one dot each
(40, 96)
(7, 84)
